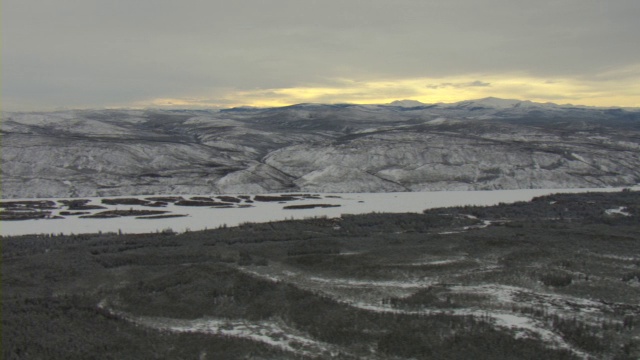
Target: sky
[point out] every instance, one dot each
(58, 54)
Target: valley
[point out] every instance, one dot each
(487, 229)
(556, 277)
(487, 144)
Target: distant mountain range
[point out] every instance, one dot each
(402, 146)
(497, 103)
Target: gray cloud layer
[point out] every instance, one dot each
(99, 52)
(476, 83)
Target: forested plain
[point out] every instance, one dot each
(565, 269)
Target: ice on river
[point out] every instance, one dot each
(202, 218)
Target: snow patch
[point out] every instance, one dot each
(437, 121)
(617, 211)
(578, 157)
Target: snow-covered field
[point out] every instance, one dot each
(207, 218)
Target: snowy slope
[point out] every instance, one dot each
(403, 146)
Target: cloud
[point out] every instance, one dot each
(476, 83)
(98, 53)
(458, 88)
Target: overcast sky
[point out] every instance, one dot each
(206, 53)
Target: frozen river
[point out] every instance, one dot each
(199, 218)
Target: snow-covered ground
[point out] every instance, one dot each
(617, 211)
(276, 334)
(368, 295)
(207, 218)
(498, 308)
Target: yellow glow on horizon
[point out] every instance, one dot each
(623, 90)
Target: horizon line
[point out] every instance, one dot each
(169, 107)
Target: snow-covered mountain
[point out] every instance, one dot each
(407, 103)
(402, 146)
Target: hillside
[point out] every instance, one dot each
(403, 146)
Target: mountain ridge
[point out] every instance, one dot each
(408, 103)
